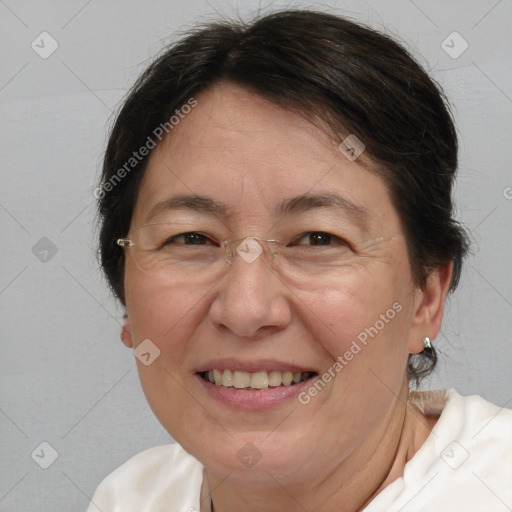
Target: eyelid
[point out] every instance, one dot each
(208, 237)
(335, 238)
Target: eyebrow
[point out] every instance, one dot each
(293, 206)
(193, 202)
(307, 202)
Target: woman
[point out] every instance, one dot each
(276, 217)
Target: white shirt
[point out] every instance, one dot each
(464, 465)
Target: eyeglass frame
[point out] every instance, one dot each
(127, 242)
(228, 245)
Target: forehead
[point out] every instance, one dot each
(238, 126)
(246, 152)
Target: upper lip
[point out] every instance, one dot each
(259, 365)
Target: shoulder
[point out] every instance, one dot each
(476, 421)
(468, 453)
(150, 481)
(466, 417)
(465, 464)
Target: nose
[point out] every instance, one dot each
(251, 301)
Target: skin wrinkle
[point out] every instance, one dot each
(295, 205)
(251, 314)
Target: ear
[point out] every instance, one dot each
(429, 307)
(126, 332)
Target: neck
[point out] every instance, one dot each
(348, 487)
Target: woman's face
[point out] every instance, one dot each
(351, 320)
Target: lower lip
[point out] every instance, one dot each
(253, 400)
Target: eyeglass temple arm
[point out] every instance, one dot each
(126, 242)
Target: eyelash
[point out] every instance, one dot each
(335, 240)
(188, 233)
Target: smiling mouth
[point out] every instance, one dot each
(256, 380)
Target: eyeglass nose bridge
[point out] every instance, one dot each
(249, 248)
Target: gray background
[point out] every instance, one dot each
(65, 377)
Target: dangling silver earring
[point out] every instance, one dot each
(426, 342)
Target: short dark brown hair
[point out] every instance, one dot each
(324, 66)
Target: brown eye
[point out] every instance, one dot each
(319, 238)
(192, 238)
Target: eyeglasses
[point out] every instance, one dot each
(165, 250)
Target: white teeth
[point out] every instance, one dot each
(241, 380)
(259, 380)
(287, 378)
(255, 380)
(227, 378)
(274, 378)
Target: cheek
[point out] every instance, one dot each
(160, 311)
(362, 306)
(167, 316)
(362, 326)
